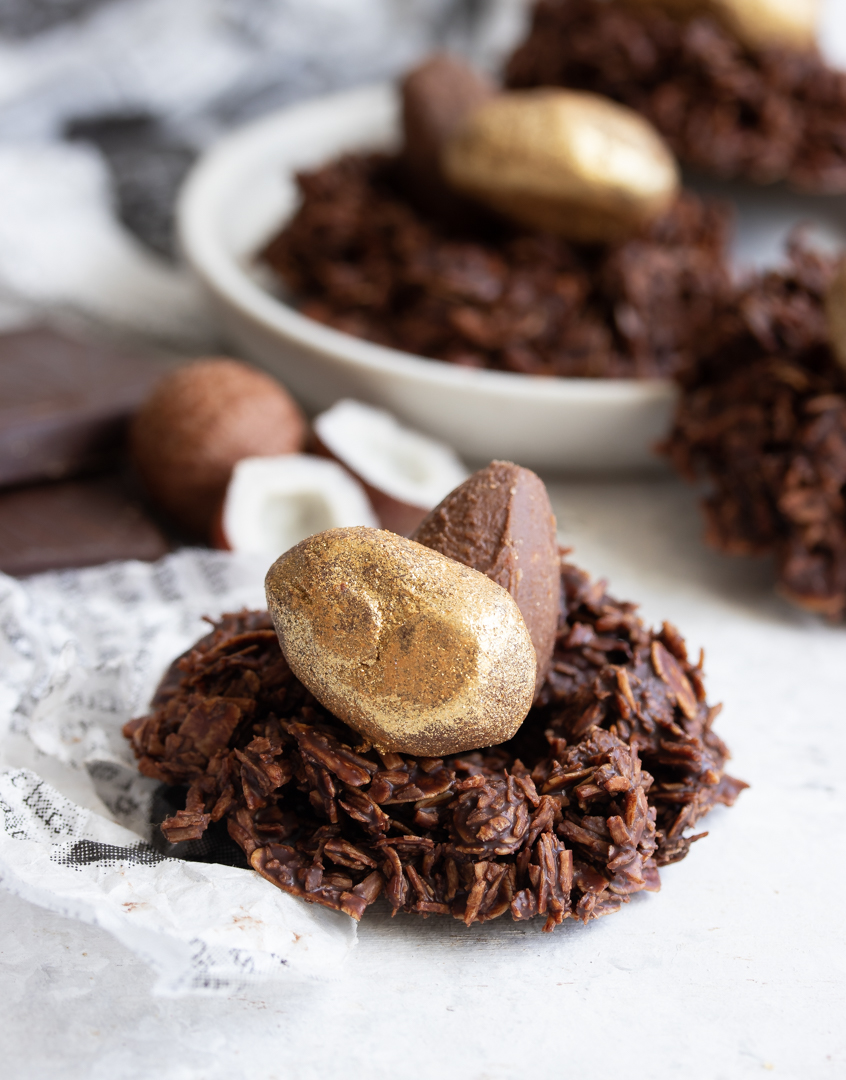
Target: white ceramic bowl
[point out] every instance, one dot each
(238, 196)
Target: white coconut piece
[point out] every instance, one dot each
(273, 503)
(405, 473)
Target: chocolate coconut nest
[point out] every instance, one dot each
(361, 256)
(761, 114)
(613, 765)
(762, 418)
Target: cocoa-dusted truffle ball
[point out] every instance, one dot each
(198, 423)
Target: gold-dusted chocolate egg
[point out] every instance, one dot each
(835, 309)
(758, 24)
(564, 161)
(418, 653)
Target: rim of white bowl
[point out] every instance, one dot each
(210, 181)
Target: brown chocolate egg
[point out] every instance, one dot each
(436, 96)
(500, 522)
(418, 653)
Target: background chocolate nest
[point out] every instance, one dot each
(761, 114)
(762, 417)
(563, 821)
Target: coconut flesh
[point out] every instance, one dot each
(272, 503)
(405, 473)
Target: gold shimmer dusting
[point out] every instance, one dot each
(418, 653)
(567, 161)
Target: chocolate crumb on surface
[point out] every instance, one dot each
(763, 418)
(764, 115)
(606, 776)
(359, 256)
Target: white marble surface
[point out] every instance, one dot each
(735, 969)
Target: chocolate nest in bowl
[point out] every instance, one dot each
(613, 765)
(360, 256)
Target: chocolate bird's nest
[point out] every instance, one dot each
(761, 114)
(611, 768)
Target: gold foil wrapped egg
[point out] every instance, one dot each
(418, 653)
(564, 161)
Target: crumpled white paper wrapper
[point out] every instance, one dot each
(81, 652)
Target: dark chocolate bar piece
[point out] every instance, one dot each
(64, 403)
(75, 523)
